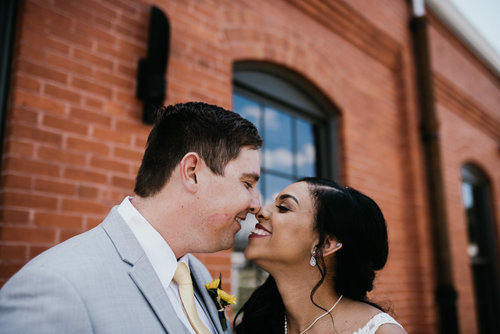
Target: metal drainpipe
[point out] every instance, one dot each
(446, 295)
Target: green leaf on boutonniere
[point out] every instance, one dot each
(220, 298)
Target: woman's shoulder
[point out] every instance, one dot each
(374, 325)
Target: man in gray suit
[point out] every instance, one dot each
(196, 183)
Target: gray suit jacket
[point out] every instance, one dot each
(97, 282)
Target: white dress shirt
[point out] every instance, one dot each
(162, 259)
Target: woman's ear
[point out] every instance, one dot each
(189, 166)
(331, 245)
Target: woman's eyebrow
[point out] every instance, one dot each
(285, 196)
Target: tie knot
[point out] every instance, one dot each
(182, 274)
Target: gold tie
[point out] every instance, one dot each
(182, 277)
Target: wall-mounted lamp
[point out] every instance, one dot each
(151, 82)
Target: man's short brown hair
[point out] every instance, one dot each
(216, 134)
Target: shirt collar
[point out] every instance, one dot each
(157, 250)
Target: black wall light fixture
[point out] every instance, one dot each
(151, 82)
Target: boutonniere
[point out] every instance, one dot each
(220, 298)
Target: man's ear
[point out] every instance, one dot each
(189, 166)
(331, 245)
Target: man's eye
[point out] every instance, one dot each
(248, 184)
(282, 208)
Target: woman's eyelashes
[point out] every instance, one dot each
(282, 208)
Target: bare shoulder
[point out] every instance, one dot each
(390, 329)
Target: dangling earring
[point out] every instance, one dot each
(312, 262)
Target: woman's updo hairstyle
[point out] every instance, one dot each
(357, 222)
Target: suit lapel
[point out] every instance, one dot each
(205, 299)
(142, 272)
(146, 280)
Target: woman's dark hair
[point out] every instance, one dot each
(216, 134)
(353, 219)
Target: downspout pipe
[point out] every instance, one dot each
(445, 293)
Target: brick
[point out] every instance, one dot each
(84, 175)
(58, 155)
(134, 155)
(133, 127)
(140, 142)
(109, 164)
(67, 65)
(62, 94)
(91, 87)
(96, 33)
(115, 81)
(94, 103)
(88, 192)
(90, 116)
(9, 269)
(93, 59)
(92, 222)
(114, 53)
(35, 134)
(27, 200)
(65, 124)
(55, 187)
(10, 216)
(87, 146)
(19, 149)
(74, 38)
(30, 234)
(29, 84)
(13, 252)
(111, 136)
(16, 182)
(32, 167)
(123, 182)
(37, 40)
(19, 114)
(35, 250)
(82, 206)
(42, 71)
(72, 9)
(38, 103)
(127, 70)
(46, 219)
(68, 234)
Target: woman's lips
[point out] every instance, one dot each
(259, 231)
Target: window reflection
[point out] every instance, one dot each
(288, 153)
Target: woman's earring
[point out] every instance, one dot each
(339, 244)
(312, 262)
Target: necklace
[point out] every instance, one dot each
(315, 320)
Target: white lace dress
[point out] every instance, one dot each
(374, 323)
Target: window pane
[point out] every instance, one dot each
(274, 185)
(278, 144)
(247, 108)
(306, 152)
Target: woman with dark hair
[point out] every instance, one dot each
(321, 244)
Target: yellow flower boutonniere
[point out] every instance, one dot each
(220, 298)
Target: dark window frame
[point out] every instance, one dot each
(8, 21)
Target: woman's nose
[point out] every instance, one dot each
(263, 213)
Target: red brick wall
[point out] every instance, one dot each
(75, 138)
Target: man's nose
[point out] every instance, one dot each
(254, 203)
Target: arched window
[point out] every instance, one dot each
(299, 129)
(482, 248)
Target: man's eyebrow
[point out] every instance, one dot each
(254, 176)
(285, 196)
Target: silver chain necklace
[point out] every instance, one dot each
(315, 320)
